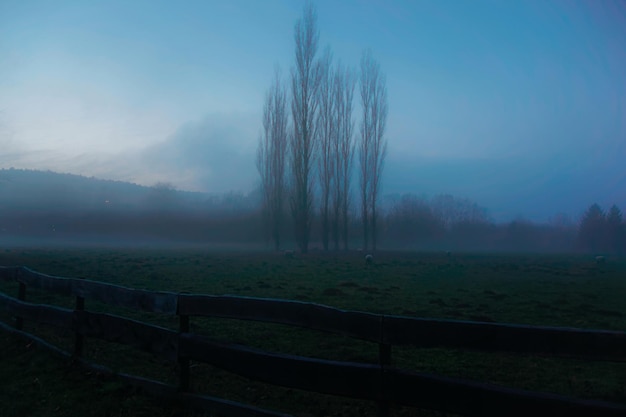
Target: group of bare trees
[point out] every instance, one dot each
(271, 156)
(373, 146)
(336, 149)
(318, 143)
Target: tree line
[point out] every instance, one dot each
(308, 144)
(602, 231)
(35, 204)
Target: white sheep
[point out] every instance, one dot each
(369, 259)
(600, 259)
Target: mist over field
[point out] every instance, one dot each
(45, 208)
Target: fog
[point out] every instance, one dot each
(45, 208)
(517, 108)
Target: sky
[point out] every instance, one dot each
(518, 105)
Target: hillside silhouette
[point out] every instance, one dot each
(45, 204)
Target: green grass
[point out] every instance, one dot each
(36, 383)
(526, 289)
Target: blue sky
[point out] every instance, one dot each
(518, 105)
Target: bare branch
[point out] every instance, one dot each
(305, 78)
(373, 145)
(271, 155)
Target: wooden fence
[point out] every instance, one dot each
(380, 382)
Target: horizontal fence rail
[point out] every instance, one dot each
(376, 328)
(378, 382)
(115, 295)
(556, 341)
(313, 316)
(157, 340)
(219, 406)
(40, 313)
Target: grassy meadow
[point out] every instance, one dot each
(556, 290)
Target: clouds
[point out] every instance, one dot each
(215, 154)
(116, 76)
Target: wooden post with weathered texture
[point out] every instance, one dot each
(183, 362)
(384, 359)
(21, 295)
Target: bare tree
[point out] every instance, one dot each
(364, 172)
(271, 154)
(373, 145)
(304, 84)
(451, 210)
(326, 128)
(343, 149)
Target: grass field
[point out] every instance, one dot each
(527, 289)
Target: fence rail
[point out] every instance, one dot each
(378, 382)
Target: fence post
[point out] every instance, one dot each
(78, 338)
(21, 295)
(384, 359)
(183, 362)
